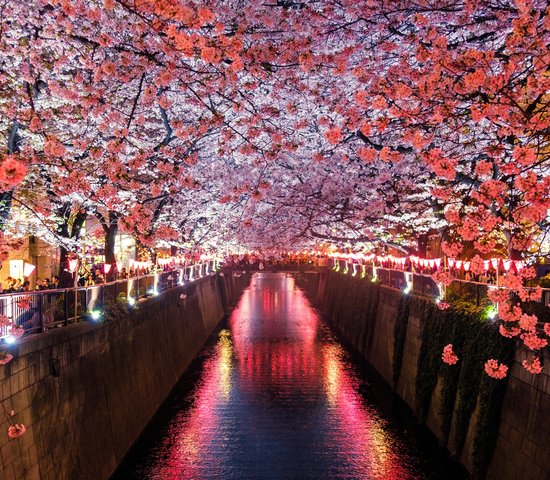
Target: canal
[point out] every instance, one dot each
(274, 395)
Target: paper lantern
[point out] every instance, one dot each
(73, 263)
(28, 269)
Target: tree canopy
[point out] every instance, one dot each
(279, 123)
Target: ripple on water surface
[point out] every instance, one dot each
(276, 397)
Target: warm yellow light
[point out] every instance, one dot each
(225, 365)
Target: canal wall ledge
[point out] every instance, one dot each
(86, 392)
(365, 315)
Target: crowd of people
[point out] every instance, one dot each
(88, 275)
(16, 285)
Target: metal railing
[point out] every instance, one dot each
(424, 284)
(38, 311)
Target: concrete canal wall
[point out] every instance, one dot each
(365, 315)
(85, 392)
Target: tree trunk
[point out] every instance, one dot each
(70, 231)
(66, 278)
(110, 258)
(5, 208)
(422, 248)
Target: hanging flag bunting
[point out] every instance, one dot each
(438, 262)
(507, 264)
(458, 264)
(106, 268)
(466, 266)
(486, 265)
(494, 263)
(451, 262)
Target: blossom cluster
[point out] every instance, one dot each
(495, 369)
(448, 355)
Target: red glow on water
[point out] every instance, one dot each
(273, 388)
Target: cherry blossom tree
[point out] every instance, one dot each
(280, 123)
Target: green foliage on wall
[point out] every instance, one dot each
(429, 357)
(491, 396)
(399, 334)
(353, 302)
(118, 309)
(464, 384)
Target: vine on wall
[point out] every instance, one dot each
(491, 396)
(399, 335)
(465, 384)
(352, 300)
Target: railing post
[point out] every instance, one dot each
(66, 306)
(41, 312)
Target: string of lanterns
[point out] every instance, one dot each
(433, 263)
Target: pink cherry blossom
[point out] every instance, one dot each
(448, 355)
(16, 430)
(533, 341)
(5, 358)
(495, 369)
(12, 172)
(532, 365)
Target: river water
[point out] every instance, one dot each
(274, 395)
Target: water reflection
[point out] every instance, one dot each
(277, 398)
